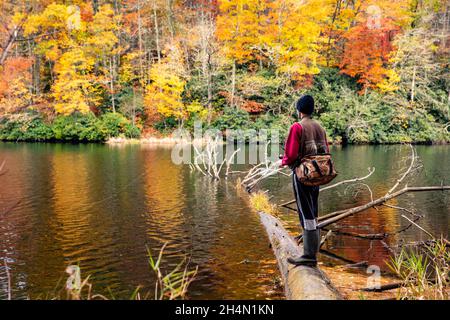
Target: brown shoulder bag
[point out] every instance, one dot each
(316, 170)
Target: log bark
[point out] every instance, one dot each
(300, 282)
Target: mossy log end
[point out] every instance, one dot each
(301, 282)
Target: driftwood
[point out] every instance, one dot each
(385, 287)
(310, 283)
(362, 264)
(336, 256)
(261, 171)
(377, 202)
(301, 282)
(371, 171)
(341, 214)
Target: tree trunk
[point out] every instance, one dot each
(12, 38)
(141, 67)
(155, 18)
(300, 282)
(233, 83)
(111, 84)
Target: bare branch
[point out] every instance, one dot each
(377, 202)
(418, 226)
(2, 166)
(371, 171)
(8, 280)
(405, 174)
(325, 238)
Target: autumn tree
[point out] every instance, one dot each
(102, 44)
(74, 40)
(420, 62)
(240, 30)
(368, 43)
(295, 36)
(15, 84)
(164, 93)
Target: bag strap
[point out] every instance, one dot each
(298, 161)
(316, 165)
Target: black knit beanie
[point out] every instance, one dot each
(305, 104)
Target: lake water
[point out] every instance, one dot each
(102, 206)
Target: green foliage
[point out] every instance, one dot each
(115, 124)
(167, 125)
(232, 119)
(279, 123)
(424, 270)
(371, 117)
(24, 128)
(78, 128)
(74, 128)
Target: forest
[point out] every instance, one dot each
(83, 71)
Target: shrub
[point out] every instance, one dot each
(232, 119)
(78, 128)
(115, 124)
(24, 128)
(424, 270)
(73, 128)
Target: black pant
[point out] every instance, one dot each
(307, 199)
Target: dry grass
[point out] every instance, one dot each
(170, 285)
(260, 201)
(424, 270)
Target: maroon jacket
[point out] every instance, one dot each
(292, 147)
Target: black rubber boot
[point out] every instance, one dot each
(311, 241)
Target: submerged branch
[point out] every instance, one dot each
(405, 174)
(371, 171)
(377, 202)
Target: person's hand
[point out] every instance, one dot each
(278, 164)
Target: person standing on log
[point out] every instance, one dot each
(306, 137)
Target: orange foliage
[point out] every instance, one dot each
(368, 41)
(247, 105)
(252, 106)
(15, 79)
(366, 54)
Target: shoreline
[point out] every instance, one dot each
(170, 141)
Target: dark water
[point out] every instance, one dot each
(101, 206)
(390, 162)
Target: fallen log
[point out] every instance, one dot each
(300, 282)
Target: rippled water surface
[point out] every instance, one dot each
(101, 206)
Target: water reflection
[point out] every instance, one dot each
(102, 206)
(390, 162)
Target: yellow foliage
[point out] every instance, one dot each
(287, 32)
(15, 83)
(389, 82)
(239, 27)
(73, 89)
(196, 108)
(164, 94)
(79, 50)
(260, 202)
